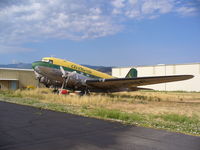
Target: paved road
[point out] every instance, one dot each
(27, 128)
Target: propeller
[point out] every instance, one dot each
(38, 77)
(66, 76)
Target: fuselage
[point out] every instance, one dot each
(49, 68)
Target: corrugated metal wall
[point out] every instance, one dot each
(162, 70)
(25, 77)
(4, 85)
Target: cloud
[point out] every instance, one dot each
(118, 3)
(190, 8)
(72, 19)
(13, 49)
(186, 11)
(161, 6)
(35, 20)
(151, 9)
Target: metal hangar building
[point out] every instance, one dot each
(164, 70)
(13, 79)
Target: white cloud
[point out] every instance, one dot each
(13, 49)
(162, 6)
(187, 11)
(133, 2)
(61, 19)
(118, 3)
(133, 13)
(34, 20)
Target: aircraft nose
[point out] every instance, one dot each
(35, 64)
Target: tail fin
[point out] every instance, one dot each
(132, 73)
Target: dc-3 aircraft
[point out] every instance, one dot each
(59, 73)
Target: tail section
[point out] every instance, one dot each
(132, 73)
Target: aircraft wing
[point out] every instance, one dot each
(130, 83)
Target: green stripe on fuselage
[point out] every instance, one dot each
(46, 64)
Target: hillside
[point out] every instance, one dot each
(28, 66)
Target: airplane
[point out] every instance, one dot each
(63, 74)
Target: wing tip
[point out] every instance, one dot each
(188, 76)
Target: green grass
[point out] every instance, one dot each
(179, 118)
(9, 93)
(115, 114)
(172, 122)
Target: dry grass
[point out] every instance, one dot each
(162, 102)
(46, 95)
(144, 102)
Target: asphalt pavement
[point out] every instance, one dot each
(28, 128)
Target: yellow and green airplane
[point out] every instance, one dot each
(59, 73)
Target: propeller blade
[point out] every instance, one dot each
(38, 77)
(63, 85)
(37, 74)
(66, 77)
(38, 83)
(64, 74)
(72, 73)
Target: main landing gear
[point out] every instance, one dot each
(62, 91)
(85, 92)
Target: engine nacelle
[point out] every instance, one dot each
(76, 80)
(44, 80)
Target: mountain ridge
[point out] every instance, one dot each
(29, 66)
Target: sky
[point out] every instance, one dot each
(101, 32)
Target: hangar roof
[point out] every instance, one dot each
(4, 79)
(16, 69)
(156, 65)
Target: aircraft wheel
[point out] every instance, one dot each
(84, 92)
(55, 91)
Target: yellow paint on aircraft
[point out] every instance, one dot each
(68, 64)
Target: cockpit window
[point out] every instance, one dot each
(51, 61)
(48, 61)
(45, 60)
